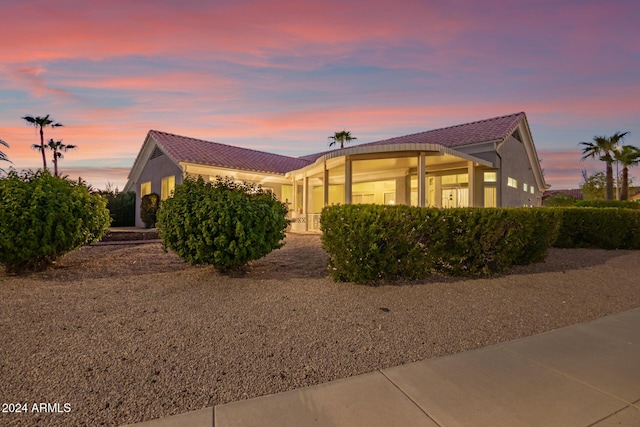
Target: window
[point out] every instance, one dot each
(525, 187)
(532, 190)
(362, 198)
(390, 198)
(512, 182)
(168, 185)
(490, 177)
(490, 198)
(455, 198)
(461, 178)
(145, 188)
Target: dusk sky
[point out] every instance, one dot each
(281, 76)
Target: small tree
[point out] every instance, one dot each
(42, 217)
(40, 123)
(58, 148)
(149, 206)
(342, 138)
(594, 186)
(222, 223)
(628, 156)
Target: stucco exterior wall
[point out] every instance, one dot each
(153, 171)
(515, 164)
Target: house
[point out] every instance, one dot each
(487, 163)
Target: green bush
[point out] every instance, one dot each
(369, 243)
(222, 223)
(122, 208)
(42, 217)
(560, 199)
(149, 206)
(606, 228)
(607, 204)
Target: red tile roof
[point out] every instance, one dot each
(184, 149)
(574, 192)
(494, 129)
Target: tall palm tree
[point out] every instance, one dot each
(42, 122)
(628, 156)
(3, 157)
(603, 148)
(58, 148)
(341, 137)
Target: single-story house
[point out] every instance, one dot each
(487, 163)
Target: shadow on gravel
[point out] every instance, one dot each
(301, 257)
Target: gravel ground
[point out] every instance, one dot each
(128, 333)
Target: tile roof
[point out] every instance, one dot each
(184, 149)
(493, 129)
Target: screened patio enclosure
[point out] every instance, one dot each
(434, 176)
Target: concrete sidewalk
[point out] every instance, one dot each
(582, 375)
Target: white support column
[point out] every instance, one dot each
(472, 183)
(305, 201)
(293, 196)
(325, 186)
(422, 180)
(347, 180)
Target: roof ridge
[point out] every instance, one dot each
(223, 144)
(449, 127)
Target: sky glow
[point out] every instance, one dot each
(281, 76)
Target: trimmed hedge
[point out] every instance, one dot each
(42, 217)
(605, 228)
(370, 243)
(222, 223)
(607, 204)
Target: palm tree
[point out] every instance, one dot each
(3, 157)
(42, 122)
(58, 148)
(628, 156)
(603, 148)
(341, 137)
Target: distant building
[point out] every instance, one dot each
(487, 163)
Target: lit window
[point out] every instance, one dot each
(490, 197)
(525, 187)
(512, 182)
(145, 188)
(531, 188)
(490, 177)
(168, 185)
(461, 178)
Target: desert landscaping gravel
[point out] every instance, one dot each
(127, 333)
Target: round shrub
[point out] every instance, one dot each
(149, 206)
(222, 223)
(42, 217)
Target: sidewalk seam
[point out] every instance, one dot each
(566, 375)
(609, 416)
(409, 397)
